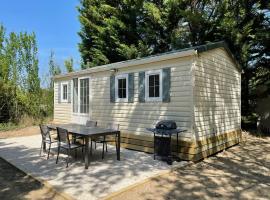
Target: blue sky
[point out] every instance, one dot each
(55, 23)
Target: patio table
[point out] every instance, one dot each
(88, 132)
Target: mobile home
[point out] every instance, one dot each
(198, 87)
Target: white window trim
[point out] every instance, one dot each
(62, 90)
(147, 74)
(121, 76)
(79, 103)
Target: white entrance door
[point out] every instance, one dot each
(81, 100)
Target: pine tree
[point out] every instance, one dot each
(124, 29)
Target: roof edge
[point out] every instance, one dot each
(215, 45)
(130, 63)
(155, 58)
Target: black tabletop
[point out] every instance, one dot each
(84, 130)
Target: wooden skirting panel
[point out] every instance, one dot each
(188, 150)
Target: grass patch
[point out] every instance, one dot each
(25, 122)
(10, 126)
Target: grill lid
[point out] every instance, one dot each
(166, 125)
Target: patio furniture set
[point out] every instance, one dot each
(89, 132)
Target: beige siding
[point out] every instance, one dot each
(205, 100)
(217, 90)
(135, 117)
(62, 111)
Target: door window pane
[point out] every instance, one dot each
(84, 95)
(75, 95)
(64, 95)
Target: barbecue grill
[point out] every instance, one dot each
(163, 132)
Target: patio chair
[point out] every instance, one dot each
(46, 138)
(64, 143)
(90, 123)
(105, 140)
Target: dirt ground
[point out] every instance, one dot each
(241, 172)
(15, 184)
(31, 130)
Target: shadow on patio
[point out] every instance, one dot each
(101, 178)
(241, 172)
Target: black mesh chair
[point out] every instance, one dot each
(90, 123)
(46, 139)
(64, 143)
(104, 140)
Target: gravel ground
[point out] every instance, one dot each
(241, 172)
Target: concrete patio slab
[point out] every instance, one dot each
(102, 178)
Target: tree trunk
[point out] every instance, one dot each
(245, 93)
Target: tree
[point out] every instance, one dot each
(110, 31)
(19, 81)
(114, 31)
(29, 61)
(54, 68)
(69, 64)
(3, 66)
(48, 94)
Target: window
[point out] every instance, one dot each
(121, 87)
(64, 92)
(81, 95)
(84, 95)
(153, 85)
(75, 96)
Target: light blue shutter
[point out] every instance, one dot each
(69, 91)
(131, 87)
(141, 86)
(112, 88)
(166, 84)
(59, 92)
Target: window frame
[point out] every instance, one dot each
(121, 76)
(147, 74)
(79, 97)
(63, 83)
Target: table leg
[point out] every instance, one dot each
(177, 145)
(154, 145)
(86, 153)
(170, 158)
(44, 146)
(73, 138)
(177, 148)
(118, 145)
